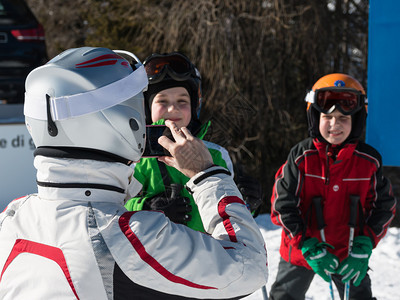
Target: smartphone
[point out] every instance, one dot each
(153, 148)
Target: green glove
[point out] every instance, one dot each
(356, 264)
(320, 260)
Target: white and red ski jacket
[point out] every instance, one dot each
(75, 240)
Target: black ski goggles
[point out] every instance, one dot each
(347, 101)
(175, 65)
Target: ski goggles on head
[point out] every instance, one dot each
(176, 65)
(326, 100)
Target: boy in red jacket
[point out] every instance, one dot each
(333, 165)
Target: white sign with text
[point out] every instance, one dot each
(17, 173)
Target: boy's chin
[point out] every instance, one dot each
(335, 140)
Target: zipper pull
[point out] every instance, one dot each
(328, 155)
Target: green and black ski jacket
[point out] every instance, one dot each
(149, 175)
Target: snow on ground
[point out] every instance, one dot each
(384, 264)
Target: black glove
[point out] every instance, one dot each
(251, 191)
(174, 206)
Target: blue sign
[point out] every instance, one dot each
(383, 122)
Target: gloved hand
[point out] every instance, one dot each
(174, 206)
(251, 191)
(319, 259)
(356, 264)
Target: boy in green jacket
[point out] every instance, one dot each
(174, 93)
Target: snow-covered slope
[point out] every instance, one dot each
(384, 264)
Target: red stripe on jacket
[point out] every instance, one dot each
(225, 217)
(151, 261)
(53, 253)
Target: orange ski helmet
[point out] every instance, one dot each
(341, 92)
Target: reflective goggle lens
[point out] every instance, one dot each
(176, 63)
(345, 101)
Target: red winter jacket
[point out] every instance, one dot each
(315, 169)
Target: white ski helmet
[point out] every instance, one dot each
(89, 98)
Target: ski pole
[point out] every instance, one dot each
(352, 223)
(321, 224)
(264, 293)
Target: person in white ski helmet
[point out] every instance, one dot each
(75, 240)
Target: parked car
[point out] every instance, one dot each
(22, 48)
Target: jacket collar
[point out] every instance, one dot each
(83, 179)
(341, 152)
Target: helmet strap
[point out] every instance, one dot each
(51, 125)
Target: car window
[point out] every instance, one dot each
(14, 11)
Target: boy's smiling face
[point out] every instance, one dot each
(335, 127)
(172, 104)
